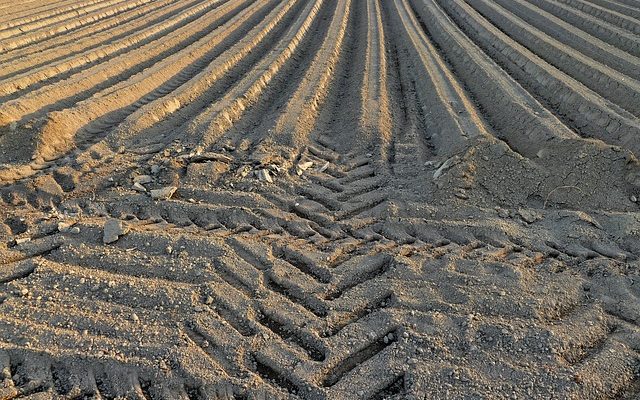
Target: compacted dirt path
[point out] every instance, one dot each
(314, 199)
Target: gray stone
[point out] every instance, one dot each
(164, 193)
(303, 166)
(264, 175)
(113, 229)
(142, 179)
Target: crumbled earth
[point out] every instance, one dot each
(313, 199)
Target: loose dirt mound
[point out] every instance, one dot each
(349, 199)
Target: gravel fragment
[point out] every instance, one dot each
(138, 187)
(264, 175)
(303, 166)
(143, 179)
(113, 229)
(164, 193)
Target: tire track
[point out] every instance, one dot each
(357, 270)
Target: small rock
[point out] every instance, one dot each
(134, 317)
(64, 226)
(169, 249)
(633, 198)
(208, 300)
(461, 194)
(243, 171)
(529, 216)
(155, 169)
(113, 229)
(449, 163)
(24, 292)
(143, 179)
(324, 167)
(301, 167)
(264, 175)
(211, 156)
(75, 230)
(22, 240)
(276, 169)
(164, 193)
(138, 187)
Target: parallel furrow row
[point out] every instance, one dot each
(582, 108)
(75, 39)
(128, 95)
(23, 72)
(609, 84)
(33, 12)
(63, 27)
(581, 41)
(613, 35)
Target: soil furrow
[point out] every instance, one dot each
(581, 41)
(27, 28)
(319, 200)
(62, 27)
(67, 67)
(132, 21)
(602, 30)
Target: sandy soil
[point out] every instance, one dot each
(314, 199)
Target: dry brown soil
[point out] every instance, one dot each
(319, 199)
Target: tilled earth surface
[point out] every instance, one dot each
(314, 199)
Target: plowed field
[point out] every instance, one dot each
(319, 199)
